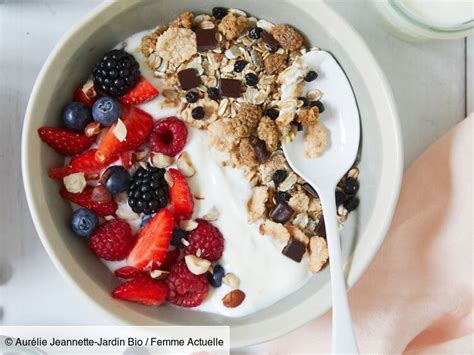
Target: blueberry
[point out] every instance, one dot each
(84, 222)
(106, 111)
(198, 113)
(340, 197)
(312, 75)
(76, 116)
(351, 204)
(192, 96)
(282, 196)
(213, 93)
(239, 66)
(318, 104)
(255, 32)
(305, 100)
(177, 236)
(251, 79)
(215, 278)
(272, 113)
(118, 179)
(219, 12)
(351, 186)
(279, 176)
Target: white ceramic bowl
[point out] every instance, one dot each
(381, 158)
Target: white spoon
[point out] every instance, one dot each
(323, 173)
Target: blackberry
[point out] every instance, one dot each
(255, 32)
(213, 93)
(148, 191)
(116, 73)
(219, 12)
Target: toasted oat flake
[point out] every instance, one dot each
(276, 230)
(318, 253)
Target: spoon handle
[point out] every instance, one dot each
(343, 337)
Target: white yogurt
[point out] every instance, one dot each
(266, 276)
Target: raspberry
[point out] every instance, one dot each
(207, 239)
(112, 241)
(168, 136)
(185, 288)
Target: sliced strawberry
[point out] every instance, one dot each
(86, 94)
(153, 241)
(126, 159)
(181, 199)
(65, 141)
(138, 124)
(85, 163)
(127, 272)
(142, 92)
(85, 199)
(142, 289)
(171, 259)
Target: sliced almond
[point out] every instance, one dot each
(197, 266)
(161, 160)
(231, 280)
(212, 215)
(185, 165)
(168, 179)
(188, 225)
(159, 274)
(233, 298)
(75, 183)
(109, 218)
(120, 131)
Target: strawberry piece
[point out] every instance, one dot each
(169, 136)
(143, 91)
(65, 141)
(127, 272)
(127, 159)
(171, 259)
(84, 162)
(181, 199)
(207, 239)
(138, 124)
(142, 289)
(153, 242)
(86, 94)
(185, 288)
(84, 199)
(112, 241)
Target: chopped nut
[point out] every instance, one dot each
(231, 26)
(231, 280)
(318, 253)
(161, 160)
(287, 37)
(276, 230)
(188, 225)
(196, 265)
(120, 130)
(301, 220)
(124, 211)
(75, 183)
(184, 20)
(159, 274)
(299, 202)
(92, 129)
(212, 215)
(353, 173)
(256, 205)
(176, 45)
(268, 132)
(233, 299)
(185, 165)
(315, 140)
(288, 183)
(275, 63)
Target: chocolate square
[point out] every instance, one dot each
(281, 213)
(310, 189)
(320, 229)
(206, 39)
(230, 87)
(189, 79)
(294, 250)
(260, 150)
(269, 40)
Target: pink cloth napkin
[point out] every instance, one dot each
(416, 297)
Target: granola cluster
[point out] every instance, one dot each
(246, 89)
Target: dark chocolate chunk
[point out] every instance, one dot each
(260, 150)
(189, 79)
(320, 229)
(310, 189)
(281, 213)
(294, 250)
(271, 42)
(230, 87)
(206, 39)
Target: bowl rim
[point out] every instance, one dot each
(366, 63)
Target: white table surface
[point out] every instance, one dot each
(429, 82)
